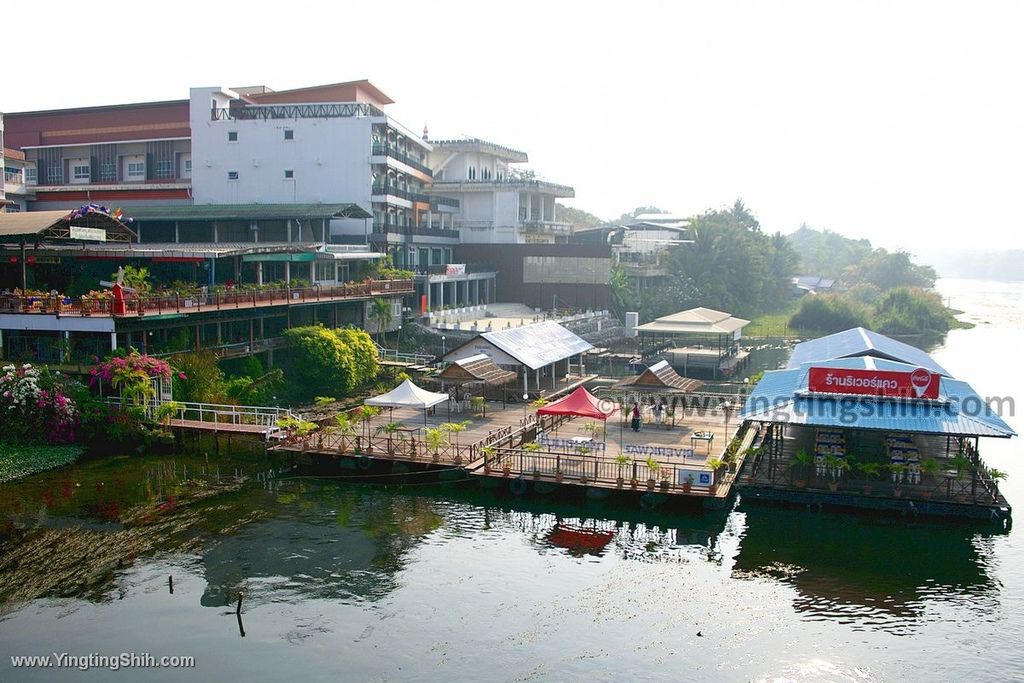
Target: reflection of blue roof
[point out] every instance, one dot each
(861, 342)
(779, 397)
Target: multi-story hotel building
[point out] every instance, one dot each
(499, 203)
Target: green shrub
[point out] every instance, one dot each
(828, 313)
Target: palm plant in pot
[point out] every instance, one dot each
(389, 430)
(929, 468)
(436, 439)
(621, 460)
(870, 470)
(652, 467)
(835, 467)
(802, 462)
(488, 453)
(532, 447)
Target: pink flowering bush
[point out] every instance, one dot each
(36, 405)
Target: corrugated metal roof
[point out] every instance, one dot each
(959, 412)
(241, 212)
(538, 345)
(476, 368)
(695, 321)
(660, 376)
(50, 223)
(861, 342)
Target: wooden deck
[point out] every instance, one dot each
(495, 446)
(223, 427)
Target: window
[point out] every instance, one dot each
(53, 174)
(472, 173)
(289, 173)
(30, 175)
(232, 136)
(136, 169)
(80, 171)
(232, 175)
(108, 171)
(164, 169)
(289, 134)
(188, 167)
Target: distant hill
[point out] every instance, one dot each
(578, 218)
(981, 265)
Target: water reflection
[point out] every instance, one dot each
(871, 573)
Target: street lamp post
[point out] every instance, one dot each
(443, 350)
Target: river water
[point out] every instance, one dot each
(435, 582)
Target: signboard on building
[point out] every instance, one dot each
(89, 234)
(455, 269)
(917, 384)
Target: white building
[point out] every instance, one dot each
(498, 202)
(323, 144)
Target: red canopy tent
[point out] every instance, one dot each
(581, 403)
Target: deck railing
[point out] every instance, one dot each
(219, 413)
(198, 301)
(401, 446)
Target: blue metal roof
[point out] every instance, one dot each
(960, 411)
(861, 342)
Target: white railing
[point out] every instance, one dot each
(267, 417)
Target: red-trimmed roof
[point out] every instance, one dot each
(350, 91)
(580, 403)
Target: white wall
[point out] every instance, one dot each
(330, 160)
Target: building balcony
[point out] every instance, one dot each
(381, 150)
(545, 227)
(388, 228)
(495, 184)
(394, 190)
(154, 184)
(447, 202)
(258, 112)
(468, 269)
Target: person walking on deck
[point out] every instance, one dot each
(635, 422)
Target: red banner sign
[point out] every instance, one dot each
(917, 384)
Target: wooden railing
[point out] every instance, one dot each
(198, 301)
(397, 446)
(581, 468)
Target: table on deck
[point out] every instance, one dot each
(707, 437)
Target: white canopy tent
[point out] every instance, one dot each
(408, 395)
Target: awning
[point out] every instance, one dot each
(580, 403)
(82, 224)
(407, 395)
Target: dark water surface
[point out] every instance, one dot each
(441, 582)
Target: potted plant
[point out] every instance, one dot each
(479, 406)
(688, 483)
(558, 474)
(665, 474)
(621, 460)
(897, 469)
(835, 467)
(488, 453)
(869, 470)
(652, 467)
(436, 438)
(802, 462)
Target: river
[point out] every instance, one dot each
(362, 582)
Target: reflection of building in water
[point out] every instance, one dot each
(347, 549)
(630, 534)
(865, 569)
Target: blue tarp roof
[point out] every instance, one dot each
(861, 342)
(959, 412)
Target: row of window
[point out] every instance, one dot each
(485, 174)
(134, 170)
(289, 134)
(288, 174)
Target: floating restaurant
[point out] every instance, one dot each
(699, 341)
(861, 420)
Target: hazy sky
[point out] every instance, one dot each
(896, 121)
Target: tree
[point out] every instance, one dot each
(828, 313)
(381, 313)
(200, 379)
(332, 361)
